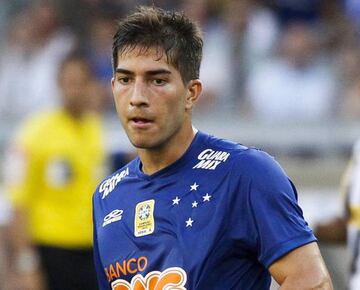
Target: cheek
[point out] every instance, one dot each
(175, 111)
(120, 106)
(119, 96)
(174, 101)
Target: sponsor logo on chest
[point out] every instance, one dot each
(170, 278)
(210, 159)
(109, 184)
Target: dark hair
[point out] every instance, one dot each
(172, 32)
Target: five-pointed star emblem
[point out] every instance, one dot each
(194, 186)
(176, 200)
(189, 222)
(206, 197)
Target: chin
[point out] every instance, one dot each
(143, 139)
(143, 143)
(150, 143)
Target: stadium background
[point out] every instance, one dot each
(281, 75)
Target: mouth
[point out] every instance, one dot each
(140, 122)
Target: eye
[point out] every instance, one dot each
(124, 80)
(159, 82)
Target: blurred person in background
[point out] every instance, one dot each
(352, 9)
(99, 47)
(297, 10)
(346, 228)
(252, 31)
(351, 104)
(5, 216)
(298, 84)
(348, 63)
(36, 45)
(8, 9)
(216, 61)
(98, 51)
(52, 169)
(81, 14)
(246, 31)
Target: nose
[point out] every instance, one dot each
(139, 96)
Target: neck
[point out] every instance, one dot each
(74, 113)
(155, 159)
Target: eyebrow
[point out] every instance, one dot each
(149, 72)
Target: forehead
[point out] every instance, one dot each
(144, 58)
(74, 67)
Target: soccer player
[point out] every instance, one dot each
(192, 211)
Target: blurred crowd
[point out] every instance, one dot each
(274, 60)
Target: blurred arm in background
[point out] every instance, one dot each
(334, 230)
(346, 228)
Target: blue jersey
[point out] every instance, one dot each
(215, 219)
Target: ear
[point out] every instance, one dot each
(113, 86)
(193, 93)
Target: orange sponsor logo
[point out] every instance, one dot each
(131, 266)
(171, 279)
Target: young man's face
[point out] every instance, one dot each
(151, 99)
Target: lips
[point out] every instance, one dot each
(141, 122)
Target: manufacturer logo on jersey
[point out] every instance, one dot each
(210, 159)
(109, 184)
(114, 216)
(171, 279)
(144, 218)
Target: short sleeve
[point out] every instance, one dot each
(274, 217)
(279, 222)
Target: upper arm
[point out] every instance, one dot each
(275, 216)
(302, 268)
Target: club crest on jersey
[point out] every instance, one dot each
(109, 184)
(144, 223)
(210, 159)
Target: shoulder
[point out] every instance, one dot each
(92, 123)
(243, 160)
(108, 184)
(34, 126)
(214, 153)
(218, 148)
(92, 119)
(261, 170)
(252, 160)
(256, 161)
(247, 164)
(241, 157)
